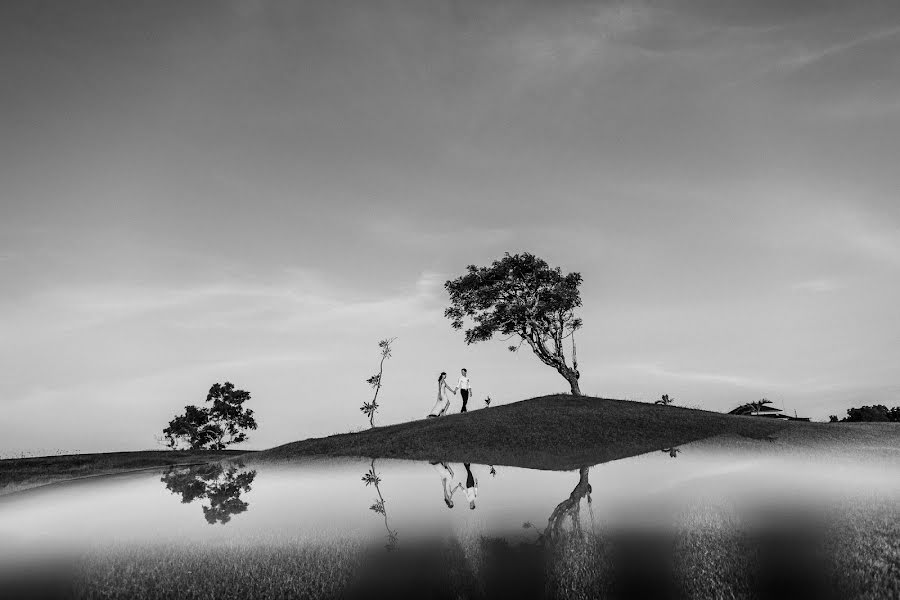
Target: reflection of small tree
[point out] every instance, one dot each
(493, 471)
(369, 408)
(673, 452)
(665, 400)
(372, 478)
(219, 484)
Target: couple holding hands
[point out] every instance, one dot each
(443, 393)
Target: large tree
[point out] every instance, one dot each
(213, 427)
(520, 297)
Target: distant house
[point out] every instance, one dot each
(761, 408)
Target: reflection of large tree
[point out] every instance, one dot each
(220, 484)
(372, 478)
(570, 509)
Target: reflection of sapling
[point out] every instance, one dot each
(372, 478)
(369, 408)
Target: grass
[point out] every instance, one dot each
(19, 474)
(549, 432)
(711, 553)
(230, 572)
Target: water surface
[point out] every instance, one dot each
(390, 503)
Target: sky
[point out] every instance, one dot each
(259, 192)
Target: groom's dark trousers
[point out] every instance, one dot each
(465, 398)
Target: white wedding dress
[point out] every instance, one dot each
(443, 400)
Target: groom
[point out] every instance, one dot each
(464, 388)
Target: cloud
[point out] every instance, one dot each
(871, 236)
(405, 232)
(295, 302)
(817, 286)
(810, 57)
(743, 381)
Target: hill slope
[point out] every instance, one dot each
(549, 432)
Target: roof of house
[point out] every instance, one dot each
(753, 407)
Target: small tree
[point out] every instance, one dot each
(369, 408)
(487, 402)
(876, 413)
(192, 429)
(214, 427)
(665, 400)
(520, 296)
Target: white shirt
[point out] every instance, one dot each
(472, 493)
(463, 383)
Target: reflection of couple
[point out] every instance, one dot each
(447, 483)
(443, 394)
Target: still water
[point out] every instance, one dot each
(391, 503)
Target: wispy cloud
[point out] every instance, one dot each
(743, 381)
(405, 232)
(293, 302)
(873, 237)
(817, 286)
(809, 57)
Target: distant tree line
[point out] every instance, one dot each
(878, 413)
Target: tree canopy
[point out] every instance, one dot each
(876, 413)
(521, 297)
(213, 427)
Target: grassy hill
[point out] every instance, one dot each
(549, 432)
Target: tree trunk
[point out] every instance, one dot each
(555, 360)
(572, 377)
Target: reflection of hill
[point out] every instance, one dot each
(551, 432)
(220, 484)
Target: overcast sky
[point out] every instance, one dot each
(258, 192)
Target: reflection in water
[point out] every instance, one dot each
(569, 508)
(493, 471)
(220, 484)
(372, 478)
(446, 475)
(711, 524)
(471, 486)
(673, 452)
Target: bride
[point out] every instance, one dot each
(443, 398)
